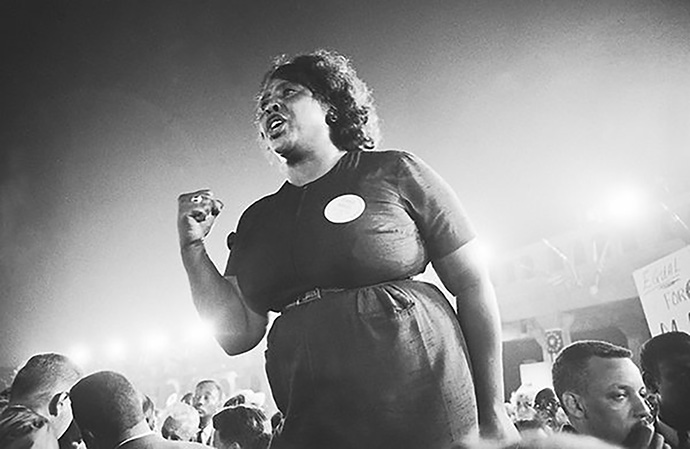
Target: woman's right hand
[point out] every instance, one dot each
(196, 213)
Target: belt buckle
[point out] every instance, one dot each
(308, 296)
(304, 298)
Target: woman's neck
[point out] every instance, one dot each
(312, 168)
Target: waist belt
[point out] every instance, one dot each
(310, 296)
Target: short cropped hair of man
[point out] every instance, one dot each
(42, 385)
(107, 408)
(602, 393)
(665, 363)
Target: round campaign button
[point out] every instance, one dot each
(344, 208)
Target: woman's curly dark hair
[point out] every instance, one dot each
(333, 81)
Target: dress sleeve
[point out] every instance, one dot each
(440, 217)
(234, 242)
(230, 267)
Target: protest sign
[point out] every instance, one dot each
(664, 289)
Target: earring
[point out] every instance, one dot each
(331, 117)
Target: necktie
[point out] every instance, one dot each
(200, 436)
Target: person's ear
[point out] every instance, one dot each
(58, 403)
(573, 405)
(650, 382)
(331, 116)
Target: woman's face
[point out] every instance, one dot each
(291, 120)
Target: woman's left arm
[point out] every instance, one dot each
(466, 276)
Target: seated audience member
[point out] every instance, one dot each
(42, 385)
(241, 427)
(602, 393)
(180, 422)
(107, 409)
(208, 399)
(22, 428)
(665, 362)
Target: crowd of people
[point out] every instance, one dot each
(600, 399)
(51, 404)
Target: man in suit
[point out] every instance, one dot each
(107, 408)
(208, 399)
(665, 362)
(602, 393)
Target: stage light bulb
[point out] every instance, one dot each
(625, 206)
(155, 342)
(200, 332)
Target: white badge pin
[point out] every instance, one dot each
(344, 208)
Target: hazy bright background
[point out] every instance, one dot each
(531, 109)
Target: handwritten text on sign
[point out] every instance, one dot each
(664, 289)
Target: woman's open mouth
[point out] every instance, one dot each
(275, 125)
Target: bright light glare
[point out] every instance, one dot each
(485, 252)
(625, 206)
(80, 354)
(115, 349)
(199, 332)
(155, 342)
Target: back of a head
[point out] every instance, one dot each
(569, 371)
(41, 378)
(106, 404)
(21, 427)
(242, 424)
(663, 347)
(248, 397)
(544, 396)
(180, 422)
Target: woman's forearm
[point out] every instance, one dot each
(467, 278)
(479, 318)
(219, 301)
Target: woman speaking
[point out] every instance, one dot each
(362, 355)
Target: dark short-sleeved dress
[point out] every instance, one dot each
(379, 359)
